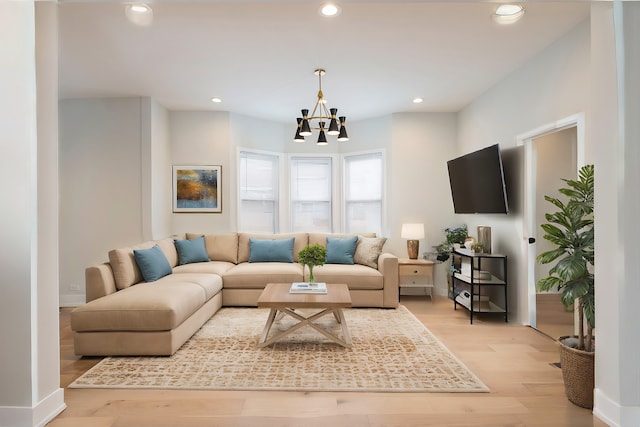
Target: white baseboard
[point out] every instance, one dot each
(612, 413)
(72, 300)
(38, 416)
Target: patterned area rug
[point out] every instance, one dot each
(391, 352)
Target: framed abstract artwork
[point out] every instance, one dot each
(197, 189)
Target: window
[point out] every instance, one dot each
(311, 195)
(326, 193)
(363, 191)
(258, 192)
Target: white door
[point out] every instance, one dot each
(552, 153)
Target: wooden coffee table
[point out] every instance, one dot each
(277, 297)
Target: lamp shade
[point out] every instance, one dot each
(412, 231)
(298, 137)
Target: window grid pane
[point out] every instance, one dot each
(363, 193)
(311, 194)
(258, 192)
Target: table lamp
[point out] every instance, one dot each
(413, 232)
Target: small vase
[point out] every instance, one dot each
(311, 279)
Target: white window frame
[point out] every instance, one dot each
(281, 197)
(283, 223)
(383, 204)
(335, 186)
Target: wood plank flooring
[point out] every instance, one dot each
(552, 318)
(513, 361)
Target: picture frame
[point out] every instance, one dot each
(197, 188)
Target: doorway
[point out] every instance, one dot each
(552, 153)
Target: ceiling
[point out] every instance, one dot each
(259, 56)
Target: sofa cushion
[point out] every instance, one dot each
(210, 283)
(277, 250)
(368, 250)
(192, 250)
(256, 275)
(355, 276)
(244, 248)
(220, 247)
(152, 263)
(341, 251)
(321, 238)
(169, 250)
(123, 263)
(209, 267)
(157, 306)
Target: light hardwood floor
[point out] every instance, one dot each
(513, 361)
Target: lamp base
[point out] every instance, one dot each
(412, 248)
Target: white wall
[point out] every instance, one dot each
(100, 185)
(160, 174)
(202, 138)
(548, 88)
(419, 191)
(29, 360)
(614, 133)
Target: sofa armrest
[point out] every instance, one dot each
(99, 281)
(388, 266)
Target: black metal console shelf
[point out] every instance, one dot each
(469, 280)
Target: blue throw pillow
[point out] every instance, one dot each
(152, 263)
(341, 250)
(191, 251)
(279, 250)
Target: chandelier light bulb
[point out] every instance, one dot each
(298, 137)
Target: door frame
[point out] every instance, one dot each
(529, 212)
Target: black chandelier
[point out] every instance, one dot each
(324, 114)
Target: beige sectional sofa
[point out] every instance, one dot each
(126, 315)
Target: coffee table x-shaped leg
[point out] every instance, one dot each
(279, 312)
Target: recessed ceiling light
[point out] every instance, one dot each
(216, 100)
(330, 9)
(139, 13)
(508, 13)
(417, 100)
(139, 8)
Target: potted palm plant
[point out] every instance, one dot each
(571, 230)
(311, 256)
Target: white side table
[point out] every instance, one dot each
(416, 273)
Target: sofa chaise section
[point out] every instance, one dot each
(126, 316)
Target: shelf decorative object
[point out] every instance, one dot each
(484, 237)
(453, 236)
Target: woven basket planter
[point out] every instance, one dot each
(578, 374)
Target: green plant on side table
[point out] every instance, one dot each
(453, 235)
(571, 230)
(312, 256)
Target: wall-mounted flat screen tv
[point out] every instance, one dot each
(477, 182)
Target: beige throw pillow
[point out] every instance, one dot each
(368, 250)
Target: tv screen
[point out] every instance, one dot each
(477, 182)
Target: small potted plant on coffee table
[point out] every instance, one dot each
(312, 256)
